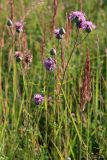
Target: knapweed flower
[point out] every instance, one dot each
(38, 99)
(28, 58)
(53, 51)
(88, 26)
(50, 64)
(19, 56)
(59, 33)
(19, 27)
(9, 22)
(77, 17)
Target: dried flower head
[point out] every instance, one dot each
(38, 99)
(50, 64)
(28, 58)
(53, 51)
(19, 27)
(19, 56)
(88, 26)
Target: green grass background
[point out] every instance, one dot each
(53, 131)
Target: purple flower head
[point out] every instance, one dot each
(59, 33)
(38, 99)
(19, 27)
(50, 64)
(88, 26)
(19, 56)
(77, 17)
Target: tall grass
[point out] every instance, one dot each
(57, 129)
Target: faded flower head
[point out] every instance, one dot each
(9, 22)
(53, 51)
(38, 99)
(28, 58)
(88, 26)
(59, 33)
(19, 56)
(77, 17)
(19, 27)
(50, 64)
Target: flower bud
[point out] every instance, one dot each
(53, 51)
(9, 22)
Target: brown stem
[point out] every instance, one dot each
(55, 3)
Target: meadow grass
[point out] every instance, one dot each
(57, 129)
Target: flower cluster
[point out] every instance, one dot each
(17, 25)
(80, 19)
(25, 57)
(50, 64)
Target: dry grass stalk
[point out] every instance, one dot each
(68, 28)
(55, 4)
(85, 92)
(24, 43)
(12, 9)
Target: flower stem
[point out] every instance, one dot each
(75, 44)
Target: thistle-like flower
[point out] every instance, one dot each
(59, 33)
(77, 17)
(50, 64)
(38, 99)
(88, 26)
(19, 56)
(18, 27)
